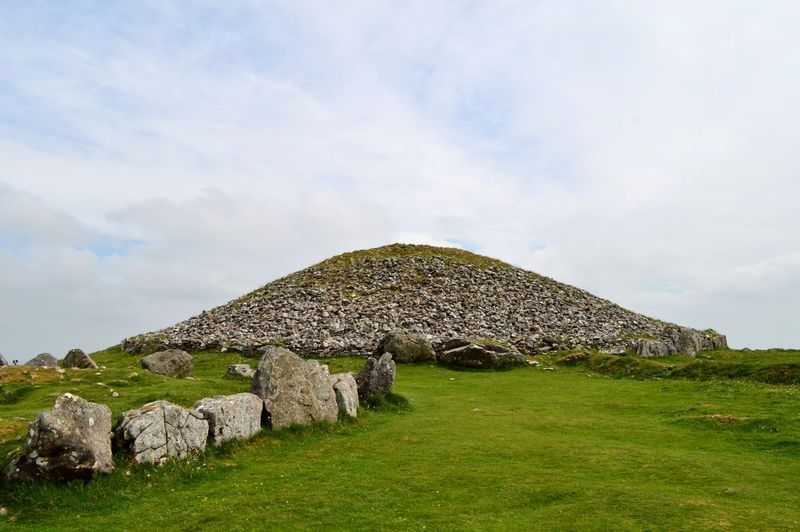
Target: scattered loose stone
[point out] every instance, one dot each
(406, 347)
(295, 391)
(172, 363)
(76, 358)
(71, 441)
(377, 376)
(159, 431)
(43, 359)
(346, 389)
(231, 417)
(241, 370)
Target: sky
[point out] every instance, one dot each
(160, 158)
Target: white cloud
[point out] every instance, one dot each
(645, 152)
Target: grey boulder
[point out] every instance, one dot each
(3, 361)
(43, 359)
(648, 348)
(72, 441)
(713, 340)
(172, 363)
(159, 431)
(231, 417)
(76, 358)
(406, 347)
(294, 391)
(346, 390)
(680, 341)
(377, 376)
(479, 354)
(241, 370)
(687, 341)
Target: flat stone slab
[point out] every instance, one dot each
(479, 354)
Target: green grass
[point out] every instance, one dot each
(774, 366)
(400, 251)
(519, 449)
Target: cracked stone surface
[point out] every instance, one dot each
(295, 391)
(71, 441)
(231, 417)
(346, 304)
(159, 431)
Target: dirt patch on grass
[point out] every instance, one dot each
(724, 419)
(12, 427)
(9, 374)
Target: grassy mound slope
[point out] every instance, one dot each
(773, 366)
(520, 449)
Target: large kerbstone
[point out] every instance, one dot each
(43, 359)
(76, 358)
(71, 441)
(172, 363)
(3, 361)
(406, 347)
(686, 341)
(159, 431)
(377, 376)
(479, 354)
(295, 391)
(231, 417)
(346, 389)
(649, 348)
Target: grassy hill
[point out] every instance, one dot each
(521, 449)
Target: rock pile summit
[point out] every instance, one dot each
(345, 304)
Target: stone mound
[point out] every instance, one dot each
(346, 304)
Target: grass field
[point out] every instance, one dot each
(521, 449)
